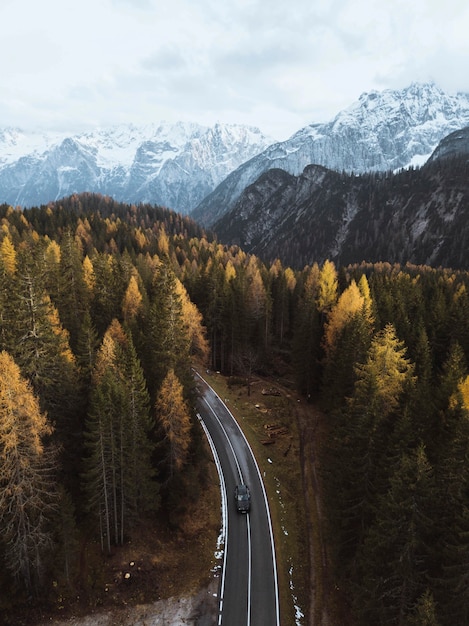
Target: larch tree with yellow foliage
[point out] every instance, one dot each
(173, 414)
(132, 302)
(347, 338)
(327, 287)
(27, 486)
(8, 256)
(192, 320)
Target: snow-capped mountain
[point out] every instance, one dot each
(174, 165)
(384, 130)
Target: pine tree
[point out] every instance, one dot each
(362, 442)
(307, 336)
(118, 473)
(168, 340)
(27, 492)
(193, 323)
(140, 488)
(73, 297)
(394, 560)
(35, 338)
(8, 256)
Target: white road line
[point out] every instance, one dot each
(240, 474)
(248, 525)
(277, 605)
(224, 508)
(249, 570)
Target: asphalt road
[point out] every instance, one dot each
(248, 587)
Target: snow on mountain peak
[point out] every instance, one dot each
(125, 161)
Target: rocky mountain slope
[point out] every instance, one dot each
(419, 215)
(173, 165)
(382, 131)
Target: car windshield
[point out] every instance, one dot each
(243, 494)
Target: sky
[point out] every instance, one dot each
(278, 65)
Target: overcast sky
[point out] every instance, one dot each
(275, 64)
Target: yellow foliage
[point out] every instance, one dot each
(173, 413)
(8, 256)
(88, 273)
(290, 279)
(163, 242)
(117, 333)
(60, 332)
(327, 286)
(350, 302)
(105, 358)
(132, 302)
(21, 420)
(53, 253)
(192, 319)
(463, 388)
(230, 271)
(140, 238)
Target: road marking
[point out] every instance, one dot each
(248, 524)
(224, 508)
(240, 474)
(277, 606)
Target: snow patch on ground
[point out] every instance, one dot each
(200, 609)
(299, 615)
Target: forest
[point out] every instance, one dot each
(103, 309)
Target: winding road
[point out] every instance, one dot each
(248, 587)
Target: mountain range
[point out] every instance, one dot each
(173, 165)
(367, 185)
(417, 215)
(382, 131)
(203, 170)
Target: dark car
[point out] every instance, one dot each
(243, 498)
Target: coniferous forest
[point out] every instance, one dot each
(104, 307)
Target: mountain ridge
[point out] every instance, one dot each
(381, 131)
(415, 215)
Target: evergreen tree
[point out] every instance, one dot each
(362, 442)
(168, 341)
(118, 473)
(393, 563)
(307, 336)
(73, 296)
(35, 338)
(132, 303)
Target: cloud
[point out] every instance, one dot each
(274, 64)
